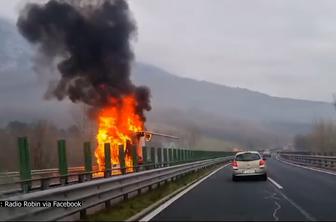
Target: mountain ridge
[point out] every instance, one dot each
(166, 72)
(236, 97)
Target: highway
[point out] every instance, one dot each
(291, 193)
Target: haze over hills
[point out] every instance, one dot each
(204, 112)
(229, 101)
(232, 113)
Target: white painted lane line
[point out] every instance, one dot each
(276, 210)
(306, 167)
(275, 183)
(299, 208)
(155, 212)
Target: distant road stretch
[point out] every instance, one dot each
(291, 193)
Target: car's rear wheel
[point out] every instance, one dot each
(234, 178)
(264, 177)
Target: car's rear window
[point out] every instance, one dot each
(247, 157)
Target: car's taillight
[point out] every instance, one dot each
(234, 164)
(262, 163)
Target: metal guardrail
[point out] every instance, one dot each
(40, 173)
(51, 178)
(97, 192)
(10, 182)
(14, 176)
(330, 153)
(320, 161)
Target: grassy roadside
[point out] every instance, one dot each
(124, 210)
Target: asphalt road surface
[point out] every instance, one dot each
(291, 193)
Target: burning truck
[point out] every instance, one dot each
(121, 125)
(83, 48)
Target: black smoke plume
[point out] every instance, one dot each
(91, 42)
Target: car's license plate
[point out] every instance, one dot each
(249, 171)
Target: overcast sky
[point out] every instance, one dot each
(283, 48)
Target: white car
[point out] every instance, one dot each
(248, 163)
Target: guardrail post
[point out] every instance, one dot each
(134, 158)
(107, 154)
(178, 152)
(174, 156)
(183, 155)
(82, 214)
(145, 157)
(159, 154)
(165, 157)
(122, 163)
(129, 151)
(88, 160)
(170, 153)
(179, 155)
(153, 161)
(25, 167)
(108, 167)
(62, 161)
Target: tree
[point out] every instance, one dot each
(302, 142)
(85, 126)
(321, 139)
(42, 142)
(17, 128)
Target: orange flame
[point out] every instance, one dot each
(117, 125)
